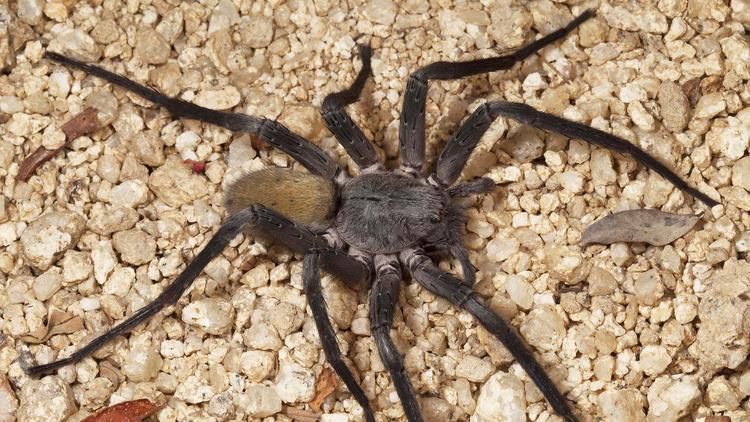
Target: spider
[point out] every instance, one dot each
(378, 224)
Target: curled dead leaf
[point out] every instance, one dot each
(650, 226)
(129, 411)
(301, 415)
(325, 385)
(58, 322)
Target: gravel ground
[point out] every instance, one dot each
(632, 332)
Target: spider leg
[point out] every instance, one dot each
(339, 122)
(429, 276)
(468, 269)
(314, 293)
(383, 298)
(256, 217)
(271, 131)
(474, 186)
(411, 130)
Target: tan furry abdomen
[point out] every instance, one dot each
(301, 197)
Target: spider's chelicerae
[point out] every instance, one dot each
(377, 225)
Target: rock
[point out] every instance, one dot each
(259, 401)
(654, 359)
(565, 264)
(223, 17)
(142, 362)
(648, 287)
(48, 399)
(382, 12)
(76, 267)
(722, 339)
(710, 105)
(721, 396)
(8, 401)
(474, 369)
(105, 221)
(257, 365)
(736, 49)
(129, 194)
(151, 47)
(218, 99)
(74, 42)
(621, 405)
(104, 259)
(47, 238)
(501, 398)
(674, 106)
(544, 329)
(47, 284)
(120, 282)
(304, 120)
(30, 11)
(262, 336)
(571, 181)
(601, 282)
(741, 173)
(134, 246)
(520, 291)
(509, 26)
(194, 391)
(499, 249)
(175, 184)
(262, 33)
(7, 56)
(671, 398)
(294, 383)
(212, 315)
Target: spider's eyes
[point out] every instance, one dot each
(435, 219)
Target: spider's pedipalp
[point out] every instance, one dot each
(271, 131)
(338, 121)
(316, 301)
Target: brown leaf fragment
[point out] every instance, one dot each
(83, 123)
(692, 90)
(301, 415)
(129, 411)
(325, 385)
(58, 322)
(650, 226)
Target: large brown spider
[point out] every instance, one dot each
(371, 226)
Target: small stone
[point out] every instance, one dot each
(8, 401)
(721, 396)
(294, 383)
(134, 246)
(193, 390)
(501, 398)
(601, 282)
(104, 259)
(648, 287)
(76, 267)
(74, 42)
(257, 365)
(571, 181)
(48, 399)
(674, 106)
(262, 33)
(262, 336)
(710, 105)
(175, 184)
(151, 47)
(382, 12)
(499, 249)
(30, 11)
(212, 315)
(654, 359)
(129, 194)
(120, 282)
(47, 238)
(107, 221)
(259, 401)
(544, 329)
(520, 291)
(741, 173)
(142, 362)
(218, 99)
(474, 369)
(621, 405)
(565, 263)
(304, 120)
(736, 49)
(47, 284)
(670, 398)
(223, 17)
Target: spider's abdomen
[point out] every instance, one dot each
(386, 212)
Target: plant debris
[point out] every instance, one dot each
(58, 322)
(654, 227)
(129, 411)
(83, 123)
(325, 385)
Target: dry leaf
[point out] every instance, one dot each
(650, 226)
(58, 322)
(83, 123)
(325, 385)
(301, 415)
(129, 411)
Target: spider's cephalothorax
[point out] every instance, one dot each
(376, 225)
